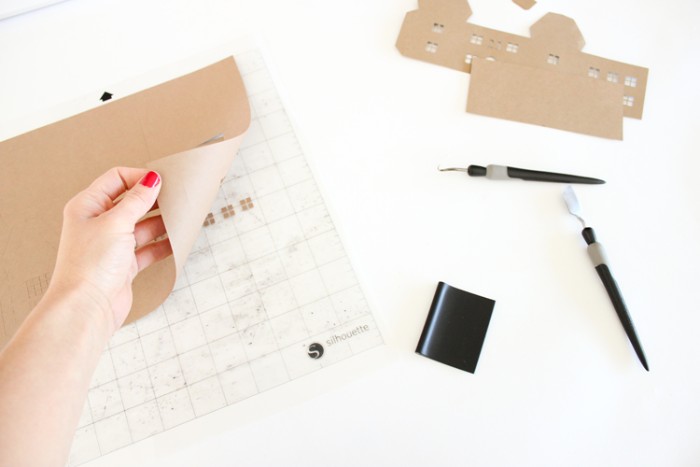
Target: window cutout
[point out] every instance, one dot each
(468, 59)
(209, 220)
(491, 58)
(631, 81)
(553, 59)
(512, 48)
(612, 77)
(628, 101)
(493, 44)
(36, 286)
(594, 72)
(431, 47)
(438, 28)
(246, 204)
(477, 39)
(228, 211)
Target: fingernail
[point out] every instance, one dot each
(150, 180)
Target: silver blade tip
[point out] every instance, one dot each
(571, 200)
(572, 203)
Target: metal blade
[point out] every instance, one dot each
(572, 203)
(453, 169)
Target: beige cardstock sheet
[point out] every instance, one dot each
(438, 32)
(162, 128)
(496, 89)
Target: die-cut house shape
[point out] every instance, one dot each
(438, 32)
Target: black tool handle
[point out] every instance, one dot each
(622, 313)
(538, 176)
(596, 253)
(588, 235)
(476, 171)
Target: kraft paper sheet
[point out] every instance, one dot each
(161, 128)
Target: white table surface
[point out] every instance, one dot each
(557, 382)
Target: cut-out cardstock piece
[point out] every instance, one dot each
(156, 128)
(456, 327)
(539, 96)
(525, 4)
(438, 33)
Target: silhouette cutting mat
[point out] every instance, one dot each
(267, 295)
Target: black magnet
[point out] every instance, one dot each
(456, 326)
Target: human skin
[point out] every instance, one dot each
(46, 368)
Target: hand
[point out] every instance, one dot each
(105, 244)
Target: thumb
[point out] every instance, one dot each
(139, 199)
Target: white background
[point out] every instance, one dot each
(557, 382)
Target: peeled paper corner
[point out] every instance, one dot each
(162, 128)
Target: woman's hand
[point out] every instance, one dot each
(45, 370)
(104, 243)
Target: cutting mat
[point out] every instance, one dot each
(268, 295)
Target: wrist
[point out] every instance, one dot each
(80, 308)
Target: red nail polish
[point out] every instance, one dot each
(150, 180)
